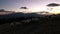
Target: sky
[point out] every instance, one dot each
(34, 5)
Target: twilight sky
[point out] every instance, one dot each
(31, 4)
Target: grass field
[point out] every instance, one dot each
(33, 26)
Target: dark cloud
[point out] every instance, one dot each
(53, 4)
(23, 8)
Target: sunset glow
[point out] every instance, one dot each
(55, 10)
(32, 5)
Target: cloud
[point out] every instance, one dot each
(53, 4)
(23, 8)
